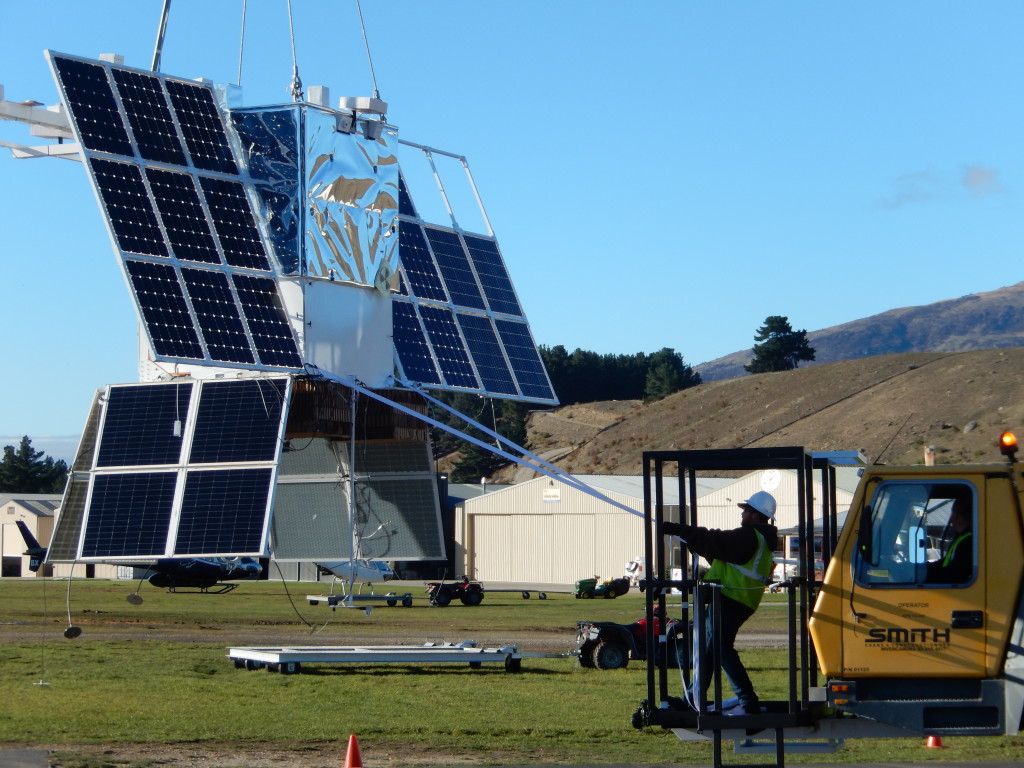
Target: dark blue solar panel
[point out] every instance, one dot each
(411, 345)
(485, 350)
(143, 425)
(418, 264)
(181, 211)
(164, 309)
(405, 204)
(128, 207)
(224, 511)
(149, 117)
(91, 102)
(129, 514)
(217, 314)
(448, 347)
(201, 126)
(525, 359)
(268, 323)
(490, 268)
(453, 263)
(232, 218)
(238, 421)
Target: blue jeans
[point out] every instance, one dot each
(733, 616)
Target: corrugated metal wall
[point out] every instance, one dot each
(546, 531)
(543, 531)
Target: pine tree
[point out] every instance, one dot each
(24, 470)
(781, 348)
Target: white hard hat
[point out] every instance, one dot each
(763, 502)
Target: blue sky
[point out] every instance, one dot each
(658, 175)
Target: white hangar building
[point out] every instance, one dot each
(545, 531)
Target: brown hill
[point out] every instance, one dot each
(989, 320)
(888, 406)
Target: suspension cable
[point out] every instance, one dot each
(158, 49)
(241, 45)
(369, 58)
(296, 88)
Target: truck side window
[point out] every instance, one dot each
(917, 533)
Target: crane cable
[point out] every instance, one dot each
(296, 87)
(366, 43)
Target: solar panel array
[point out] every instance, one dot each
(176, 204)
(458, 323)
(181, 469)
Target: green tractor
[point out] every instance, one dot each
(587, 588)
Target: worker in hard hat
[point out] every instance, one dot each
(741, 561)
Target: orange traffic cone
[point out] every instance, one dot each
(934, 742)
(352, 758)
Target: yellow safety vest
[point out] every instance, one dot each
(744, 583)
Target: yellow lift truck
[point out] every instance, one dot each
(915, 629)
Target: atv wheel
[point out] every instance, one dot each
(611, 655)
(472, 598)
(441, 598)
(586, 654)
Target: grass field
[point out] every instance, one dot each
(150, 684)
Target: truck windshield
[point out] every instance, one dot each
(918, 534)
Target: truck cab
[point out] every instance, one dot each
(918, 620)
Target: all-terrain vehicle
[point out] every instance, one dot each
(469, 592)
(607, 645)
(587, 588)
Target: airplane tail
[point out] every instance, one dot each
(36, 554)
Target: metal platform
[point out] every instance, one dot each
(351, 601)
(289, 660)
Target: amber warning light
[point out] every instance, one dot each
(1008, 445)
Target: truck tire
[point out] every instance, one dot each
(611, 655)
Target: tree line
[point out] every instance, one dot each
(581, 376)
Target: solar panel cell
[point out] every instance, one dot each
(165, 312)
(128, 206)
(494, 279)
(411, 345)
(417, 263)
(129, 514)
(218, 316)
(223, 511)
(238, 421)
(94, 109)
(143, 425)
(525, 359)
(453, 263)
(181, 212)
(451, 354)
(234, 222)
(149, 117)
(485, 349)
(201, 127)
(267, 320)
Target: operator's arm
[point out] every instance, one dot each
(735, 546)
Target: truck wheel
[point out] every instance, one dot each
(611, 655)
(472, 598)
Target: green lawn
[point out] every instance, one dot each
(157, 673)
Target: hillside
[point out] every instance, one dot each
(989, 320)
(888, 406)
